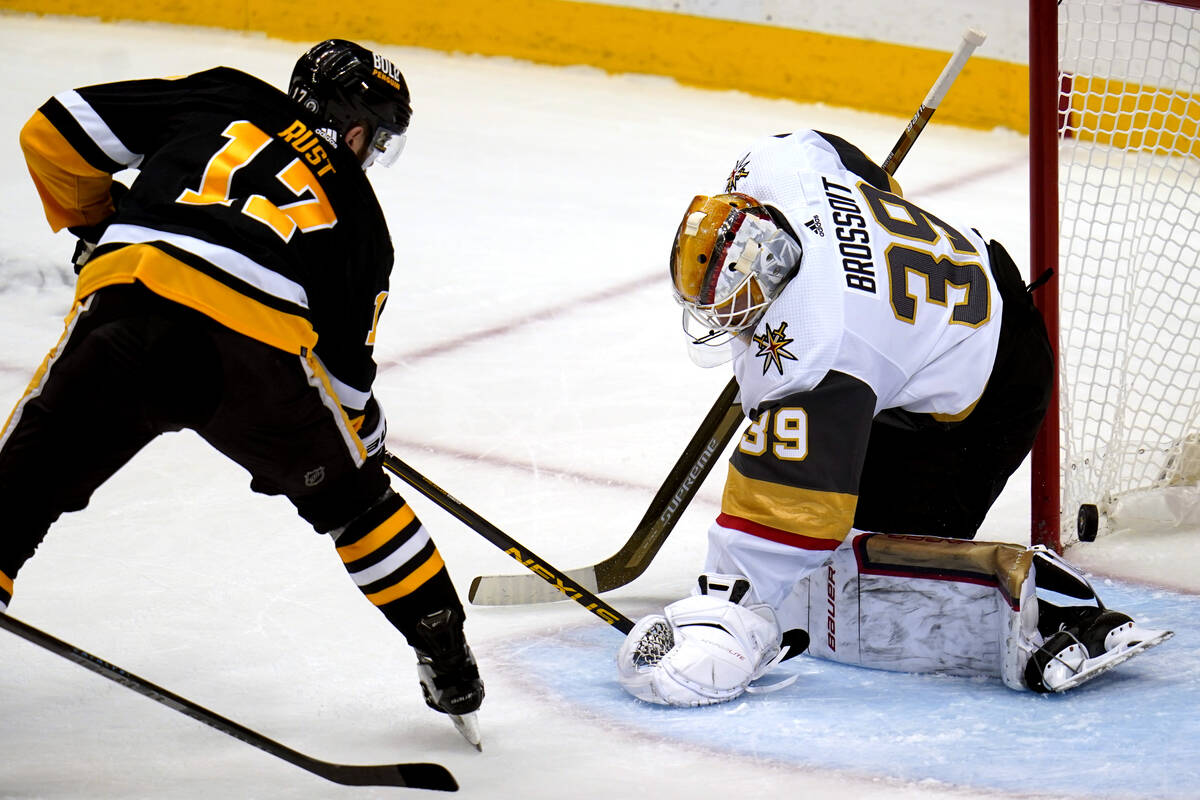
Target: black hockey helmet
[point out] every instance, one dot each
(345, 84)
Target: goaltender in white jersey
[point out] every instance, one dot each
(895, 372)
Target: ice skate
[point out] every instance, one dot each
(449, 675)
(1093, 641)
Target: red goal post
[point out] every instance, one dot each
(1115, 211)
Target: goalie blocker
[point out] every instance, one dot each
(898, 603)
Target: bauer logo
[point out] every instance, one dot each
(831, 609)
(388, 71)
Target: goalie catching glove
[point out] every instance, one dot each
(704, 649)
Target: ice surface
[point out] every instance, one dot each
(531, 365)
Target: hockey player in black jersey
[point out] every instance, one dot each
(233, 289)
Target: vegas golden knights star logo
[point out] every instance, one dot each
(740, 170)
(772, 347)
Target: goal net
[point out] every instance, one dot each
(1126, 149)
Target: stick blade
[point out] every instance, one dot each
(414, 775)
(425, 775)
(527, 589)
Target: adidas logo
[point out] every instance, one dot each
(814, 225)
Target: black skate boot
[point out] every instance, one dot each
(1081, 642)
(448, 672)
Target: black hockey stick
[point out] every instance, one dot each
(412, 775)
(676, 492)
(562, 583)
(709, 440)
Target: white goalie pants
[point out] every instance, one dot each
(905, 603)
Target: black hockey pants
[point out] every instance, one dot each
(134, 365)
(932, 478)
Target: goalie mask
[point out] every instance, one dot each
(729, 261)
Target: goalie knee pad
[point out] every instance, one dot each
(922, 604)
(704, 649)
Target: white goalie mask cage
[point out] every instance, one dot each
(729, 261)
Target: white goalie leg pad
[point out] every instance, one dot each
(704, 650)
(914, 604)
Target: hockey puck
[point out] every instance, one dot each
(1087, 522)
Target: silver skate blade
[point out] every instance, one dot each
(468, 726)
(1095, 666)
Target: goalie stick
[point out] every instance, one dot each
(412, 775)
(710, 438)
(971, 39)
(664, 510)
(562, 583)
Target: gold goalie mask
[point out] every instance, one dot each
(730, 259)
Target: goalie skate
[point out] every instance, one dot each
(1067, 659)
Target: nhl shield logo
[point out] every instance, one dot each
(314, 476)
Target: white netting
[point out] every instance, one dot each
(1129, 266)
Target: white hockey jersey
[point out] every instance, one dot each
(893, 308)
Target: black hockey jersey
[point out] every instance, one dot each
(243, 208)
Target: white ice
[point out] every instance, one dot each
(530, 364)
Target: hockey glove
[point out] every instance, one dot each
(704, 649)
(370, 425)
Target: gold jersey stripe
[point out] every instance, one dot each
(961, 415)
(381, 535)
(6, 584)
(173, 279)
(73, 192)
(35, 383)
(411, 583)
(805, 512)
